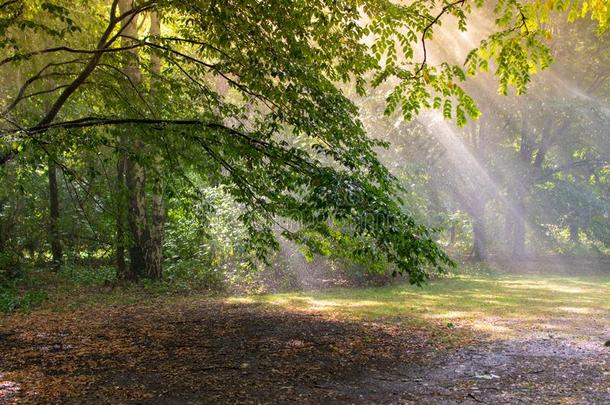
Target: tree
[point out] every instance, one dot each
(54, 234)
(285, 141)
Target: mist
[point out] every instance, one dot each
(525, 184)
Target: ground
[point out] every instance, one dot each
(487, 338)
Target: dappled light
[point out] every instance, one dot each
(304, 201)
(489, 304)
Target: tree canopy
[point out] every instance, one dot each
(253, 96)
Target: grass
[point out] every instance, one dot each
(491, 302)
(81, 287)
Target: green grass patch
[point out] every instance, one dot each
(473, 298)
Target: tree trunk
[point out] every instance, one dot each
(452, 235)
(524, 147)
(574, 237)
(134, 172)
(479, 252)
(474, 205)
(3, 231)
(519, 232)
(54, 234)
(479, 237)
(509, 220)
(155, 248)
(525, 152)
(146, 233)
(121, 267)
(135, 180)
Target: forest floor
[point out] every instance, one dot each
(474, 338)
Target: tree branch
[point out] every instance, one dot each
(428, 27)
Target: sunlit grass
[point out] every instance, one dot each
(487, 302)
(477, 298)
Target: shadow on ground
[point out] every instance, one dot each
(200, 352)
(386, 345)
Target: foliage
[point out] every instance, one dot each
(87, 277)
(251, 98)
(17, 291)
(11, 299)
(10, 266)
(204, 228)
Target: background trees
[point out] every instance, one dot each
(126, 108)
(531, 169)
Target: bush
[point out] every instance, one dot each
(10, 267)
(11, 299)
(87, 276)
(203, 237)
(193, 274)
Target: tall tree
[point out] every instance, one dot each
(54, 233)
(155, 250)
(285, 142)
(134, 148)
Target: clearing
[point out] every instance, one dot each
(471, 338)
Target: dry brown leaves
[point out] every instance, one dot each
(199, 351)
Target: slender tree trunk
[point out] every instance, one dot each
(479, 248)
(121, 267)
(155, 249)
(3, 230)
(480, 240)
(474, 205)
(524, 147)
(519, 239)
(574, 237)
(519, 232)
(134, 172)
(135, 180)
(54, 234)
(509, 220)
(154, 258)
(452, 235)
(518, 246)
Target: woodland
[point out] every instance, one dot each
(304, 201)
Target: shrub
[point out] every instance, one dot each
(10, 266)
(11, 299)
(88, 276)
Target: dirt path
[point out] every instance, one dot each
(558, 360)
(531, 370)
(208, 352)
